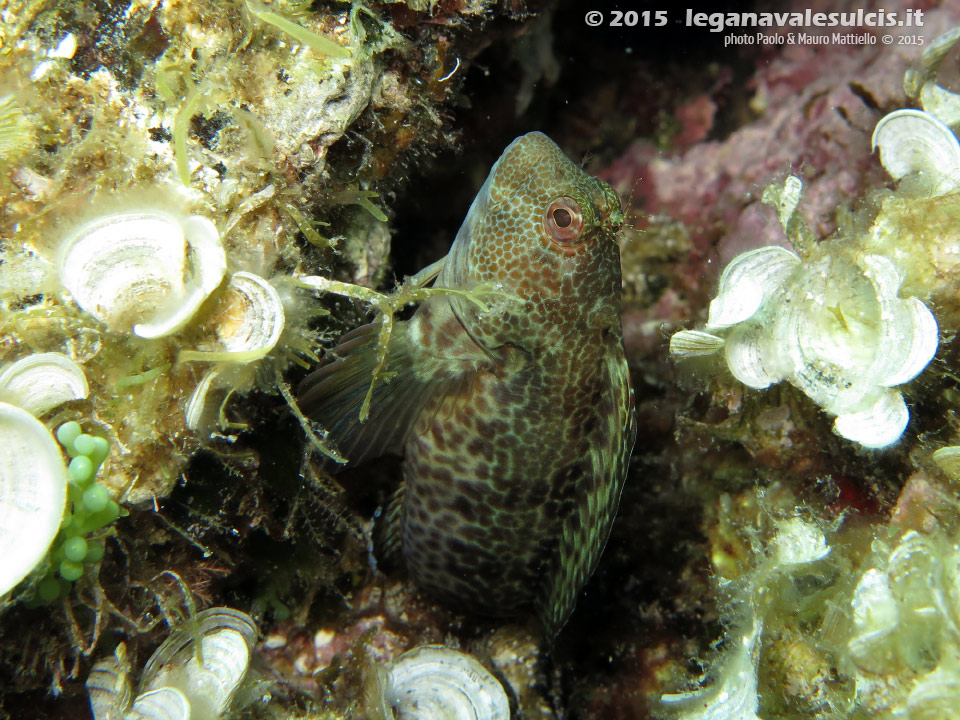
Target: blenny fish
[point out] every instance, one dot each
(509, 399)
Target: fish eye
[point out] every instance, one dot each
(563, 220)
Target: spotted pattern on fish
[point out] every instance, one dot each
(515, 419)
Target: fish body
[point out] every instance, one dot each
(514, 414)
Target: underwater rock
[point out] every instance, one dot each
(162, 152)
(344, 661)
(196, 108)
(514, 653)
(146, 304)
(307, 116)
(850, 621)
(804, 665)
(813, 106)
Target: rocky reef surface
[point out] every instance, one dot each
(171, 172)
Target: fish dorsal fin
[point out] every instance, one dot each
(334, 394)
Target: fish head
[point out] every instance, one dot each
(535, 192)
(544, 232)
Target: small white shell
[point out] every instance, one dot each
(176, 684)
(875, 614)
(911, 339)
(746, 357)
(909, 332)
(935, 696)
(147, 270)
(694, 343)
(165, 703)
(209, 686)
(843, 336)
(750, 279)
(226, 656)
(108, 687)
(247, 321)
(914, 567)
(733, 696)
(936, 51)
(942, 104)
(15, 133)
(41, 381)
(436, 683)
(789, 200)
(948, 458)
(197, 405)
(798, 542)
(33, 493)
(227, 637)
(263, 316)
(878, 425)
(916, 142)
(833, 326)
(826, 332)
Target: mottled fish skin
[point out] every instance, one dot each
(516, 420)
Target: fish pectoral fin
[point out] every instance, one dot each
(594, 485)
(360, 379)
(583, 535)
(583, 532)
